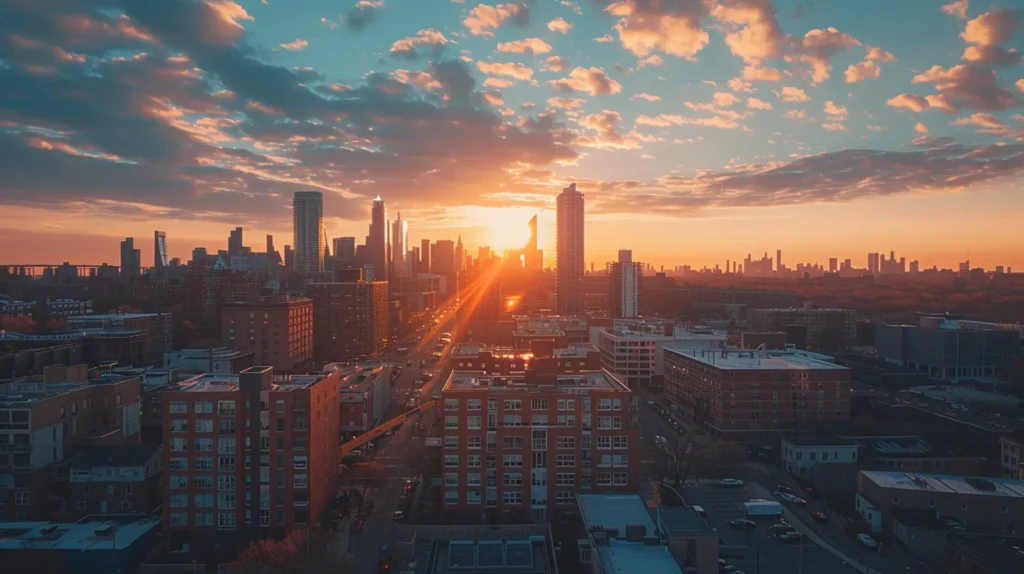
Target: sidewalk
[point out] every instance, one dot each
(809, 532)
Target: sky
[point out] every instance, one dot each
(698, 130)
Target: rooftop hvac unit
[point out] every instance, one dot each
(652, 541)
(635, 532)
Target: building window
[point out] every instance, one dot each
(178, 501)
(539, 404)
(565, 479)
(565, 442)
(474, 442)
(179, 519)
(473, 405)
(473, 423)
(492, 405)
(564, 497)
(451, 404)
(451, 497)
(604, 479)
(204, 407)
(513, 460)
(619, 442)
(513, 405)
(473, 497)
(513, 479)
(202, 481)
(604, 442)
(204, 425)
(179, 407)
(178, 463)
(895, 500)
(226, 464)
(301, 481)
(619, 479)
(226, 501)
(451, 460)
(566, 420)
(451, 479)
(565, 460)
(225, 482)
(512, 497)
(226, 520)
(299, 462)
(473, 479)
(451, 441)
(226, 408)
(473, 461)
(451, 422)
(226, 445)
(203, 500)
(204, 463)
(179, 425)
(604, 404)
(280, 406)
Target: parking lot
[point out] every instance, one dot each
(755, 551)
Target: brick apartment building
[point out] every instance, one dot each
(278, 331)
(247, 456)
(157, 327)
(112, 480)
(507, 360)
(350, 320)
(525, 444)
(982, 505)
(45, 423)
(364, 395)
(739, 394)
(821, 329)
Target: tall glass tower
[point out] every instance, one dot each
(307, 226)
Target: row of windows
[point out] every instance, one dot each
(227, 444)
(227, 481)
(508, 442)
(227, 408)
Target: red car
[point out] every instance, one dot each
(820, 517)
(357, 526)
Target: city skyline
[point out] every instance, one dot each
(815, 126)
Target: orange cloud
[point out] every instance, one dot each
(835, 111)
(556, 64)
(756, 104)
(483, 18)
(956, 8)
(791, 94)
(507, 69)
(560, 25)
(912, 102)
(591, 80)
(980, 120)
(606, 124)
(648, 97)
(755, 34)
(921, 128)
(298, 44)
(647, 27)
(565, 103)
(526, 46)
(816, 49)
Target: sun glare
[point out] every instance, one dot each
(508, 227)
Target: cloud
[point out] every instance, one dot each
(795, 114)
(605, 39)
(834, 127)
(836, 112)
(1020, 85)
(666, 120)
(298, 44)
(932, 141)
(993, 28)
(968, 86)
(981, 120)
(421, 80)
(565, 103)
(921, 128)
(556, 64)
(591, 80)
(912, 102)
(956, 8)
(648, 97)
(483, 18)
(660, 121)
(752, 33)
(791, 94)
(406, 48)
(609, 136)
(862, 71)
(673, 27)
(499, 83)
(560, 25)
(493, 98)
(507, 69)
(529, 46)
(724, 99)
(991, 55)
(756, 104)
(760, 74)
(816, 49)
(361, 15)
(936, 166)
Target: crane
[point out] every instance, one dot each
(384, 427)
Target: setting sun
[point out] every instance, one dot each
(508, 227)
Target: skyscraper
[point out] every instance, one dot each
(235, 242)
(131, 259)
(399, 247)
(307, 226)
(533, 258)
(160, 259)
(345, 249)
(377, 240)
(569, 242)
(460, 255)
(624, 286)
(443, 257)
(425, 256)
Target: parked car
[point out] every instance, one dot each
(820, 517)
(780, 529)
(867, 540)
(398, 515)
(724, 566)
(742, 524)
(792, 537)
(734, 482)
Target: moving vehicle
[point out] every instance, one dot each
(820, 517)
(383, 560)
(742, 524)
(756, 508)
(792, 537)
(732, 482)
(791, 498)
(867, 540)
(398, 515)
(780, 529)
(357, 526)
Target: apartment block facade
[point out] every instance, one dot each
(524, 445)
(278, 331)
(247, 456)
(736, 395)
(350, 320)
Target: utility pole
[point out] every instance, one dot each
(801, 567)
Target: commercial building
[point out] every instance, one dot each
(570, 259)
(418, 293)
(624, 278)
(212, 360)
(634, 349)
(158, 328)
(350, 320)
(619, 535)
(737, 394)
(377, 240)
(563, 331)
(247, 456)
(802, 454)
(87, 546)
(525, 444)
(399, 246)
(278, 331)
(981, 505)
(364, 395)
(507, 360)
(948, 350)
(307, 232)
(131, 259)
(52, 307)
(43, 423)
(110, 480)
(808, 328)
(1011, 456)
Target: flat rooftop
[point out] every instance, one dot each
(360, 379)
(682, 520)
(576, 382)
(207, 353)
(470, 350)
(112, 456)
(621, 557)
(229, 382)
(958, 485)
(737, 360)
(818, 440)
(28, 391)
(79, 536)
(615, 512)
(111, 317)
(525, 556)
